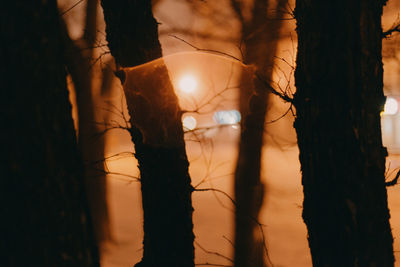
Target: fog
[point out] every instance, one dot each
(201, 46)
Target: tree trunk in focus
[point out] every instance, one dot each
(338, 101)
(157, 133)
(260, 38)
(45, 219)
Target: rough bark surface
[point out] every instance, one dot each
(45, 220)
(338, 100)
(157, 134)
(260, 39)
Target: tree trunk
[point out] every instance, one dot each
(157, 134)
(79, 59)
(260, 39)
(45, 219)
(338, 100)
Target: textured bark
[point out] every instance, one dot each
(157, 134)
(338, 100)
(132, 32)
(45, 219)
(260, 39)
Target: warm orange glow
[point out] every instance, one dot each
(391, 106)
(189, 122)
(188, 84)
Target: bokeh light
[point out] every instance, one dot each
(188, 83)
(391, 106)
(189, 123)
(227, 117)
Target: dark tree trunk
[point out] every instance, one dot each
(338, 100)
(260, 39)
(157, 134)
(45, 220)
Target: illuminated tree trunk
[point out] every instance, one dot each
(157, 134)
(338, 100)
(79, 58)
(44, 214)
(260, 39)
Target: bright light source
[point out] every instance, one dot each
(188, 83)
(391, 106)
(227, 116)
(189, 122)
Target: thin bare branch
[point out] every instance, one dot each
(260, 225)
(283, 95)
(207, 50)
(131, 177)
(229, 241)
(388, 33)
(213, 252)
(198, 34)
(116, 156)
(70, 8)
(280, 117)
(394, 181)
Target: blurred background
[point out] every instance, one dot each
(202, 44)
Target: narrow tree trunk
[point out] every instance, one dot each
(338, 100)
(45, 219)
(79, 58)
(260, 39)
(157, 134)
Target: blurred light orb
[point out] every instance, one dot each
(391, 106)
(189, 123)
(226, 117)
(188, 83)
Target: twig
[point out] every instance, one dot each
(283, 95)
(215, 190)
(280, 117)
(260, 225)
(395, 28)
(207, 50)
(197, 34)
(394, 181)
(99, 58)
(229, 241)
(112, 157)
(69, 9)
(131, 177)
(213, 252)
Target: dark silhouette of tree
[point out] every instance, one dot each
(45, 219)
(157, 133)
(260, 36)
(338, 100)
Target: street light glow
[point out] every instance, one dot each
(188, 84)
(189, 123)
(391, 106)
(226, 117)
